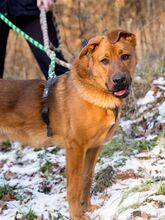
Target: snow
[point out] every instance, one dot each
(150, 209)
(149, 97)
(161, 110)
(158, 198)
(126, 124)
(159, 81)
(55, 202)
(29, 170)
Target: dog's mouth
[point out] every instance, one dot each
(121, 93)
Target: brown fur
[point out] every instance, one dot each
(80, 111)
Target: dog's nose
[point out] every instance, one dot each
(119, 78)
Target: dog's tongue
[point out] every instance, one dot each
(120, 93)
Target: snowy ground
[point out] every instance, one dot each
(36, 179)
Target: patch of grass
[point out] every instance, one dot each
(141, 188)
(23, 197)
(46, 167)
(6, 192)
(103, 179)
(119, 143)
(59, 216)
(19, 154)
(148, 72)
(5, 146)
(161, 138)
(116, 144)
(123, 209)
(161, 190)
(29, 215)
(144, 145)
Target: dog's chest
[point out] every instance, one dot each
(107, 127)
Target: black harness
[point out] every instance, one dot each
(45, 110)
(115, 112)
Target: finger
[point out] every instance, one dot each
(50, 4)
(45, 4)
(39, 3)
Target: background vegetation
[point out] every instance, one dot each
(80, 19)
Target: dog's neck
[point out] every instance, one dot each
(93, 94)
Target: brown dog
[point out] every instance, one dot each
(83, 110)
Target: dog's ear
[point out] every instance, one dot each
(91, 45)
(115, 36)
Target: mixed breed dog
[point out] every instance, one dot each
(84, 110)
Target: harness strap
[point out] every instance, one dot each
(116, 112)
(45, 110)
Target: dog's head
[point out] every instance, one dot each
(110, 62)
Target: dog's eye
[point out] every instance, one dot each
(125, 56)
(105, 61)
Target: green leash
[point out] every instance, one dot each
(51, 72)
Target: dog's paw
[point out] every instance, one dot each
(92, 207)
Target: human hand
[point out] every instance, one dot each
(46, 4)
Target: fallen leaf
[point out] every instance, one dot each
(9, 175)
(144, 155)
(2, 163)
(45, 187)
(2, 205)
(128, 174)
(8, 197)
(139, 213)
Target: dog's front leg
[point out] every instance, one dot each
(90, 162)
(75, 158)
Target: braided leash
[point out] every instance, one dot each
(44, 28)
(46, 41)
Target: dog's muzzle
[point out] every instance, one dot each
(121, 85)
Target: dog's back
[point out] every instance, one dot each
(12, 92)
(20, 105)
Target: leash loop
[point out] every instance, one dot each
(51, 54)
(44, 28)
(47, 43)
